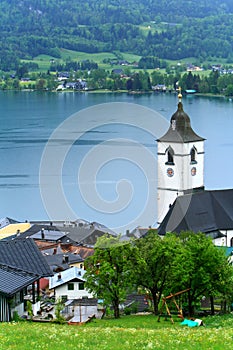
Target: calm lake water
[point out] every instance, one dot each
(100, 162)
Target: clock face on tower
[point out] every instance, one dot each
(193, 171)
(170, 172)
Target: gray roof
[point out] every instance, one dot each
(48, 235)
(139, 232)
(78, 233)
(180, 129)
(62, 261)
(7, 221)
(24, 254)
(13, 280)
(73, 273)
(206, 211)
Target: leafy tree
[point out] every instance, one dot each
(21, 71)
(59, 306)
(40, 84)
(108, 272)
(202, 267)
(16, 84)
(157, 78)
(137, 84)
(155, 264)
(229, 90)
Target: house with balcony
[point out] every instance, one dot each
(21, 268)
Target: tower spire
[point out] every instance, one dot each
(180, 160)
(180, 95)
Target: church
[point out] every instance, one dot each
(183, 202)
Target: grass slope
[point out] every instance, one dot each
(126, 333)
(43, 61)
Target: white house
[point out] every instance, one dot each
(69, 284)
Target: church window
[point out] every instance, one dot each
(170, 156)
(193, 156)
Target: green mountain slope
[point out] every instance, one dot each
(167, 29)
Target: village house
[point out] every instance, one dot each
(69, 284)
(79, 232)
(21, 267)
(69, 287)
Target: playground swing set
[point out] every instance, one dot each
(171, 298)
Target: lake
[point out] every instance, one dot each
(93, 155)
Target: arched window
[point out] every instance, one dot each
(193, 155)
(170, 156)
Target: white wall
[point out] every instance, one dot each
(171, 187)
(224, 241)
(229, 236)
(72, 294)
(35, 308)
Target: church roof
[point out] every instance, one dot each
(180, 129)
(206, 211)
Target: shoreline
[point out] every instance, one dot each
(105, 91)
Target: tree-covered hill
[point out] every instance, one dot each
(167, 29)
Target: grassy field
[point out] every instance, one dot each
(126, 333)
(43, 61)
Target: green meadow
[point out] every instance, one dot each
(100, 58)
(127, 333)
(44, 63)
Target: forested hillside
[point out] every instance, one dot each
(166, 29)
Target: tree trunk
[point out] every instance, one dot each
(212, 305)
(224, 306)
(190, 306)
(116, 309)
(155, 302)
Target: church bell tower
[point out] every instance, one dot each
(180, 161)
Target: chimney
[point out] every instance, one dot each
(18, 232)
(54, 251)
(59, 277)
(65, 259)
(42, 233)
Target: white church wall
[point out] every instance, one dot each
(174, 179)
(229, 237)
(221, 241)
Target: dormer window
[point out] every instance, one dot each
(170, 156)
(193, 155)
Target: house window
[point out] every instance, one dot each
(70, 286)
(170, 156)
(64, 298)
(81, 286)
(193, 156)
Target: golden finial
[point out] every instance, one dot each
(180, 94)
